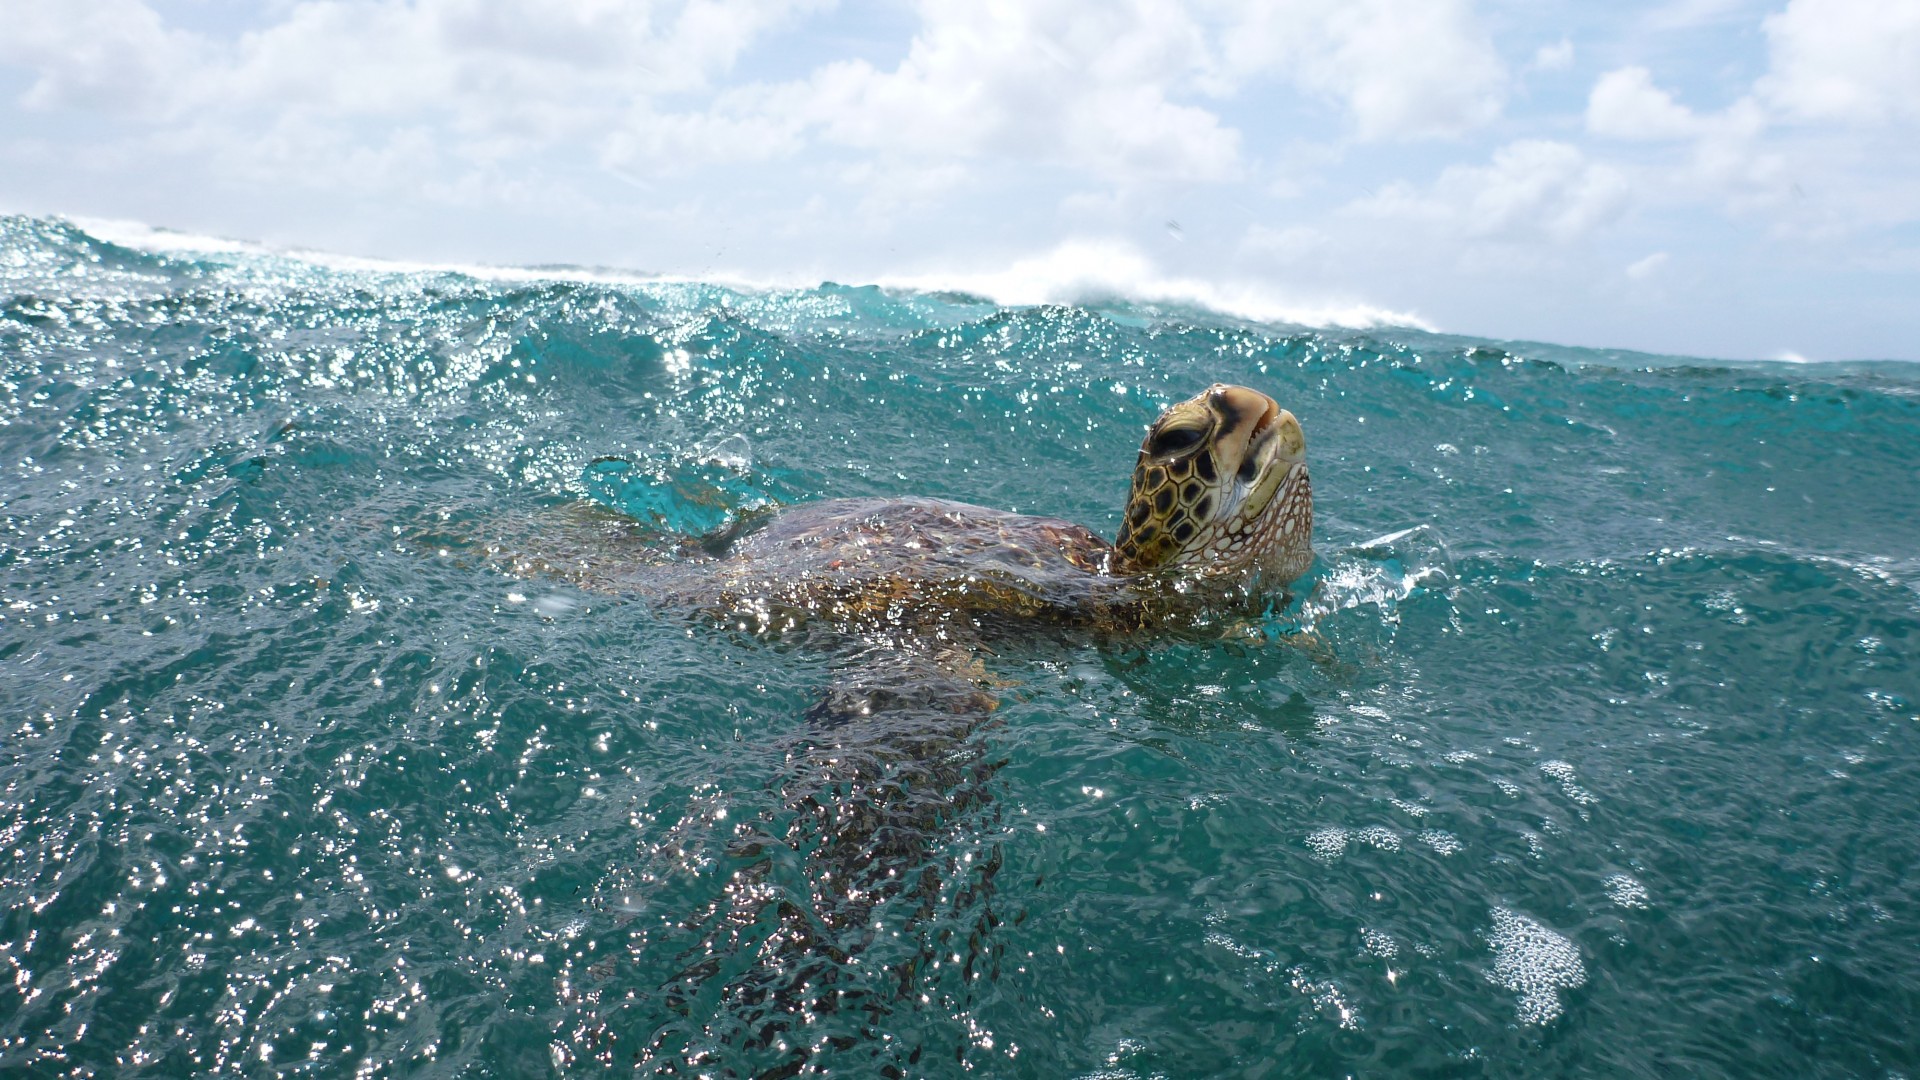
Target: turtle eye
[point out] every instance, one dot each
(1173, 441)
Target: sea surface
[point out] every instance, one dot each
(1591, 746)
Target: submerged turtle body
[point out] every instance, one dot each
(1220, 508)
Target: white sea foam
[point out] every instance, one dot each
(1380, 943)
(1331, 842)
(133, 234)
(1079, 271)
(1074, 272)
(1414, 810)
(1625, 891)
(1563, 772)
(1533, 962)
(1326, 996)
(1378, 836)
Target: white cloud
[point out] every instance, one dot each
(1641, 269)
(1292, 244)
(1119, 92)
(1091, 87)
(1742, 160)
(515, 69)
(1402, 68)
(1532, 192)
(1856, 61)
(1727, 160)
(1555, 57)
(445, 102)
(110, 54)
(1690, 14)
(1626, 105)
(649, 142)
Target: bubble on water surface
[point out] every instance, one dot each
(1563, 772)
(1327, 998)
(1626, 892)
(1379, 836)
(1533, 962)
(1410, 809)
(1380, 943)
(1331, 842)
(1328, 843)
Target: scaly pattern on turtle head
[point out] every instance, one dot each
(1221, 491)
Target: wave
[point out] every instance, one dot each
(1091, 271)
(1109, 277)
(1079, 272)
(162, 241)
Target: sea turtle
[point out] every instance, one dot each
(1220, 511)
(888, 779)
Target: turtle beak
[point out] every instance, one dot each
(1248, 421)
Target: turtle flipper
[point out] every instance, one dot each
(579, 543)
(883, 870)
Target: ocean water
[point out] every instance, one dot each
(1591, 747)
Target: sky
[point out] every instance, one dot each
(1717, 178)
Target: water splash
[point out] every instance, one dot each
(703, 491)
(1381, 574)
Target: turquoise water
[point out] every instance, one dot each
(1606, 762)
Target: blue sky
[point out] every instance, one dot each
(1707, 177)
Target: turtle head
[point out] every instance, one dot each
(1221, 490)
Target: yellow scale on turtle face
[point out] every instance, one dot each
(1221, 488)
